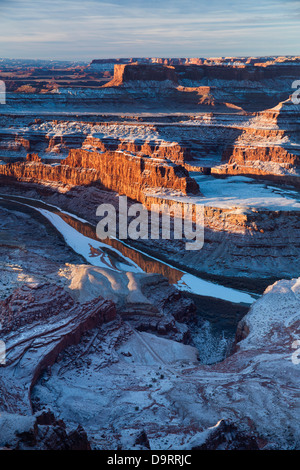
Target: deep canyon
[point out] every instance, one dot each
(141, 343)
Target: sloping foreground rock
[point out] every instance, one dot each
(225, 435)
(37, 323)
(129, 383)
(147, 301)
(39, 432)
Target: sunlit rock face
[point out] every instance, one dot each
(268, 147)
(126, 173)
(120, 356)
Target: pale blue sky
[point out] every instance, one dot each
(83, 30)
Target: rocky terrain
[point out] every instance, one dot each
(144, 344)
(131, 174)
(268, 147)
(115, 381)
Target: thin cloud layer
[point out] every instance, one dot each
(85, 30)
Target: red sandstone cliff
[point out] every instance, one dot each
(144, 72)
(268, 147)
(119, 171)
(164, 150)
(277, 154)
(195, 71)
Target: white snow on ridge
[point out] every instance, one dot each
(148, 349)
(237, 192)
(278, 307)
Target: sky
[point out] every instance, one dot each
(91, 29)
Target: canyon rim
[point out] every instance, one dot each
(149, 234)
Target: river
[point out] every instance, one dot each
(219, 307)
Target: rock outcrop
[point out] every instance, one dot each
(225, 435)
(172, 151)
(147, 301)
(161, 84)
(57, 352)
(54, 139)
(141, 72)
(179, 404)
(241, 156)
(39, 432)
(126, 173)
(269, 147)
(122, 338)
(163, 71)
(37, 323)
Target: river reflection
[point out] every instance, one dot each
(219, 314)
(145, 262)
(123, 257)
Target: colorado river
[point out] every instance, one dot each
(111, 253)
(219, 308)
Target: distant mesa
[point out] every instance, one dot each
(178, 71)
(142, 72)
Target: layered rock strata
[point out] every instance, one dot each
(37, 323)
(119, 171)
(269, 147)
